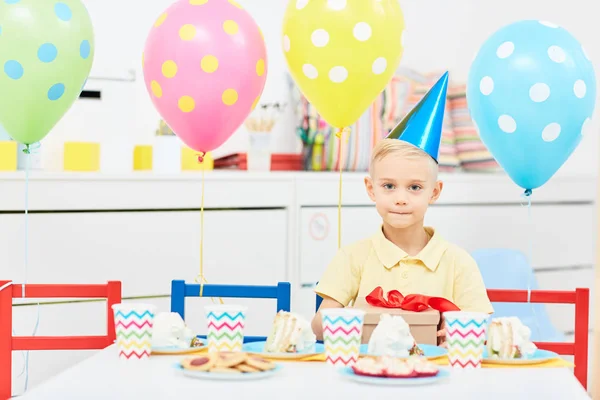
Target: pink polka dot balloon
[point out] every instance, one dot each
(205, 66)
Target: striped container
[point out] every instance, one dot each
(225, 325)
(465, 335)
(342, 335)
(133, 326)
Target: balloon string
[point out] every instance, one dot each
(340, 135)
(530, 277)
(201, 278)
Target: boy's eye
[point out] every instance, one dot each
(415, 188)
(388, 186)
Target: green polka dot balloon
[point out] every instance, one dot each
(46, 54)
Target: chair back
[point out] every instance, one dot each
(282, 292)
(110, 291)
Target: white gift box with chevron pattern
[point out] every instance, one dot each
(133, 326)
(225, 325)
(342, 335)
(465, 334)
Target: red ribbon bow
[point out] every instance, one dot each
(412, 302)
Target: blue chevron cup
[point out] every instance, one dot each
(465, 335)
(342, 335)
(133, 327)
(225, 327)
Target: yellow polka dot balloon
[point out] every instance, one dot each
(342, 53)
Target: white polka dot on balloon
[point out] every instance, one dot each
(300, 4)
(320, 38)
(551, 132)
(539, 92)
(286, 43)
(507, 123)
(579, 88)
(362, 31)
(486, 85)
(338, 74)
(379, 66)
(556, 54)
(548, 24)
(336, 5)
(586, 127)
(505, 49)
(310, 71)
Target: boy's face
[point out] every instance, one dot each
(402, 189)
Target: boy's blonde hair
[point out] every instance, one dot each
(386, 147)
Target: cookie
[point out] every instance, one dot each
(260, 363)
(230, 359)
(223, 370)
(247, 368)
(201, 363)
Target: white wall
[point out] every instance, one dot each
(440, 34)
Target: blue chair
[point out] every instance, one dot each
(509, 269)
(180, 290)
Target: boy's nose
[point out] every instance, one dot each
(400, 201)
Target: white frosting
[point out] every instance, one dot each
(169, 330)
(290, 329)
(391, 337)
(303, 336)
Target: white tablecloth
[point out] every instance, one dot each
(104, 376)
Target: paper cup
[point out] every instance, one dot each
(133, 326)
(342, 335)
(225, 325)
(465, 335)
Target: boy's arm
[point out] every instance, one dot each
(338, 287)
(317, 322)
(469, 291)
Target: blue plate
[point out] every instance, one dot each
(348, 373)
(430, 351)
(216, 376)
(538, 357)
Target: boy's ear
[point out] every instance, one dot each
(369, 187)
(437, 191)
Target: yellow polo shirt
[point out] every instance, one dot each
(441, 269)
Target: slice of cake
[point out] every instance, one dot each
(391, 337)
(508, 337)
(290, 334)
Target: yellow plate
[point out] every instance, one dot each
(168, 351)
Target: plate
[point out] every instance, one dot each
(348, 373)
(540, 356)
(172, 350)
(431, 352)
(259, 348)
(215, 376)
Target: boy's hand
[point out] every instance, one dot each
(441, 335)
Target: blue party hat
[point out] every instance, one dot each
(422, 126)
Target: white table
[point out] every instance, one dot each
(104, 376)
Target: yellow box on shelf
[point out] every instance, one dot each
(189, 160)
(8, 155)
(81, 156)
(142, 158)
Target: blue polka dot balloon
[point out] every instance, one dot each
(42, 76)
(531, 92)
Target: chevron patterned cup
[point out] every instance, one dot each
(465, 335)
(225, 325)
(342, 335)
(133, 327)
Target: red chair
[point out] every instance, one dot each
(110, 291)
(581, 299)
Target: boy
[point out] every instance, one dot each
(403, 255)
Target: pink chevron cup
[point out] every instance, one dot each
(133, 328)
(465, 336)
(225, 323)
(342, 335)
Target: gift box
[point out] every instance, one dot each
(142, 158)
(189, 160)
(81, 156)
(8, 155)
(423, 324)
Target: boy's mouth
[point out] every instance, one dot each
(400, 213)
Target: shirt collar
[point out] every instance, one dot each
(389, 254)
